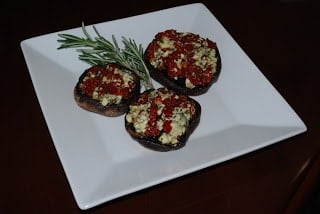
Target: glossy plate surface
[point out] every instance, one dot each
(241, 112)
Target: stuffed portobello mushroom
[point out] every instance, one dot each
(183, 61)
(106, 89)
(161, 119)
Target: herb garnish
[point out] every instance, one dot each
(99, 51)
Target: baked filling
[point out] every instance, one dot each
(184, 55)
(161, 114)
(108, 84)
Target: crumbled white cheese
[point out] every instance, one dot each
(165, 42)
(110, 99)
(179, 121)
(189, 84)
(104, 97)
(139, 116)
(202, 55)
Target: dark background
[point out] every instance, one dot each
(281, 37)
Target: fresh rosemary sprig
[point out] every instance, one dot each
(99, 51)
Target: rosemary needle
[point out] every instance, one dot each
(100, 51)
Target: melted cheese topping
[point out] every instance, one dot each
(138, 115)
(108, 84)
(179, 123)
(172, 115)
(184, 55)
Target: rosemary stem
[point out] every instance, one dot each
(98, 50)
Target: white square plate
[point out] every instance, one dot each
(242, 111)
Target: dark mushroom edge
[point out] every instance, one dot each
(84, 97)
(153, 142)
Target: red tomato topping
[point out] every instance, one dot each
(170, 100)
(179, 60)
(152, 129)
(167, 126)
(94, 82)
